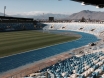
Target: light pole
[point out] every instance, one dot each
(4, 10)
(43, 16)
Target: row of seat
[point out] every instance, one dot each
(89, 65)
(16, 26)
(90, 28)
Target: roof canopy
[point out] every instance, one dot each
(99, 3)
(15, 18)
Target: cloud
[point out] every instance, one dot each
(35, 13)
(26, 13)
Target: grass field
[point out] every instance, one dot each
(20, 41)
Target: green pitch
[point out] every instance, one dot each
(20, 41)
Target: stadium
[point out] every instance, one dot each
(51, 49)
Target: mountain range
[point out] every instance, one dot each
(85, 13)
(45, 16)
(88, 14)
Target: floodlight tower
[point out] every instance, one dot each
(43, 16)
(4, 10)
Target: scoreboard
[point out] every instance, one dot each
(51, 18)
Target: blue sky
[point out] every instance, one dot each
(54, 6)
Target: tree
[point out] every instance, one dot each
(83, 19)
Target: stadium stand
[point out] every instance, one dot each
(92, 28)
(78, 66)
(16, 23)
